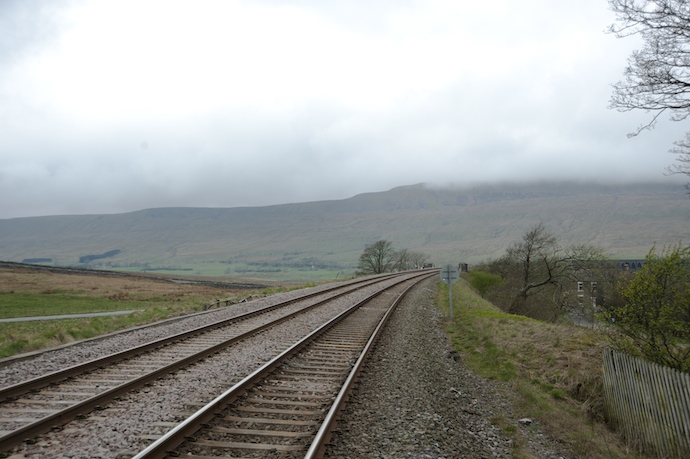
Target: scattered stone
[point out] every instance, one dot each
(427, 405)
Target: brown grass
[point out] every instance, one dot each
(141, 288)
(52, 293)
(554, 371)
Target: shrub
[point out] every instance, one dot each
(482, 281)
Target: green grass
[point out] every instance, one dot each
(30, 294)
(20, 337)
(238, 270)
(23, 304)
(553, 371)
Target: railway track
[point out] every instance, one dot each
(287, 407)
(343, 285)
(37, 405)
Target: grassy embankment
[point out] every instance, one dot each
(24, 294)
(554, 372)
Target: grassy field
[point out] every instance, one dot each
(554, 372)
(248, 271)
(26, 304)
(33, 293)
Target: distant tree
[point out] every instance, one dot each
(536, 260)
(654, 319)
(682, 150)
(538, 273)
(417, 259)
(401, 260)
(657, 78)
(89, 258)
(377, 258)
(405, 259)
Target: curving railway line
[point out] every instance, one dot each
(39, 404)
(289, 405)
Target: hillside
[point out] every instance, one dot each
(450, 225)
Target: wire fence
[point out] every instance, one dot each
(648, 403)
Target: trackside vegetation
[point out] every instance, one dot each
(20, 337)
(380, 257)
(26, 294)
(653, 321)
(551, 372)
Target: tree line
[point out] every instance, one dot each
(645, 312)
(380, 257)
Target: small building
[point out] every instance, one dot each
(629, 265)
(588, 291)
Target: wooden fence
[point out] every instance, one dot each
(648, 403)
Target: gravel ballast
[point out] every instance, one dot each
(130, 423)
(14, 370)
(417, 400)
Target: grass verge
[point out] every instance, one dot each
(20, 337)
(554, 371)
(29, 293)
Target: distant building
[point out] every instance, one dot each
(629, 265)
(588, 289)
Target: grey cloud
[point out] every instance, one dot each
(483, 125)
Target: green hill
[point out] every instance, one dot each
(322, 239)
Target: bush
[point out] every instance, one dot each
(482, 281)
(654, 319)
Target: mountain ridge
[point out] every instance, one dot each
(462, 224)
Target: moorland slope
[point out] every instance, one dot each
(448, 224)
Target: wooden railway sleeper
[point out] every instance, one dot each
(271, 376)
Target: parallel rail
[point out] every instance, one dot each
(30, 355)
(37, 405)
(289, 405)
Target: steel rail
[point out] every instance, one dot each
(6, 361)
(166, 444)
(29, 385)
(318, 446)
(73, 411)
(30, 355)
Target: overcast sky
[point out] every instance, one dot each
(111, 106)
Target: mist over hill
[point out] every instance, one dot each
(448, 224)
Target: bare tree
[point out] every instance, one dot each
(401, 260)
(537, 273)
(417, 259)
(408, 259)
(536, 262)
(376, 258)
(682, 150)
(657, 78)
